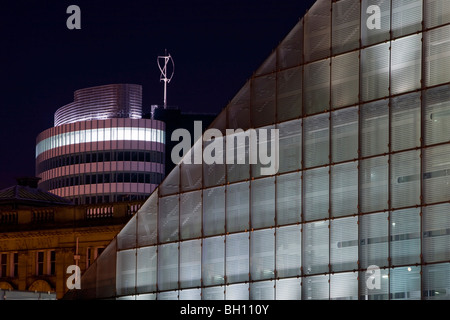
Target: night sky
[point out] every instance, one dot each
(216, 46)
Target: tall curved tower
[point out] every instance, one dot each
(101, 149)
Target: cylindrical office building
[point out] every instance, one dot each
(100, 149)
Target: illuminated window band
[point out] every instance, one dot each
(100, 135)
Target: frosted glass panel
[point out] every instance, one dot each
(437, 13)
(262, 255)
(375, 72)
(190, 263)
(318, 31)
(168, 266)
(344, 286)
(214, 211)
(263, 108)
(405, 237)
(371, 32)
(405, 183)
(237, 257)
(214, 173)
(344, 244)
(405, 121)
(345, 79)
(380, 293)
(238, 111)
(290, 50)
(237, 210)
(289, 94)
(147, 261)
(168, 219)
(238, 146)
(437, 115)
(406, 68)
(288, 289)
(405, 283)
(316, 247)
(373, 240)
(263, 202)
(213, 261)
(436, 235)
(316, 288)
(106, 271)
(191, 214)
(317, 88)
(289, 197)
(316, 140)
(126, 239)
(290, 145)
(213, 293)
(191, 174)
(344, 189)
(345, 25)
(344, 134)
(374, 128)
(147, 218)
(406, 17)
(437, 56)
(171, 183)
(237, 292)
(288, 249)
(316, 194)
(374, 184)
(126, 272)
(436, 174)
(169, 295)
(436, 281)
(262, 290)
(190, 294)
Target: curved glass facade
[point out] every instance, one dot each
(363, 177)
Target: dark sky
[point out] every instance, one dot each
(216, 46)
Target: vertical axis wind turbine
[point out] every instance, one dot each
(163, 77)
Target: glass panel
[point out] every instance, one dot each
(269, 65)
(437, 115)
(375, 25)
(406, 17)
(345, 25)
(147, 262)
(214, 150)
(126, 272)
(237, 257)
(315, 247)
(405, 183)
(262, 255)
(436, 174)
(437, 56)
(316, 288)
(213, 293)
(316, 140)
(375, 128)
(405, 283)
(375, 288)
(169, 295)
(147, 219)
(405, 237)
(171, 183)
(290, 50)
(344, 244)
(191, 174)
(126, 239)
(238, 202)
(344, 189)
(237, 292)
(214, 211)
(262, 290)
(316, 194)
(437, 13)
(405, 122)
(190, 263)
(168, 266)
(318, 31)
(374, 184)
(436, 235)
(288, 289)
(168, 219)
(406, 68)
(436, 281)
(289, 94)
(191, 214)
(191, 294)
(237, 145)
(288, 249)
(263, 202)
(265, 161)
(344, 286)
(290, 145)
(106, 271)
(375, 71)
(263, 101)
(345, 79)
(213, 261)
(238, 111)
(373, 240)
(317, 88)
(344, 134)
(289, 198)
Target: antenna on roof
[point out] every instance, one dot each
(163, 62)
